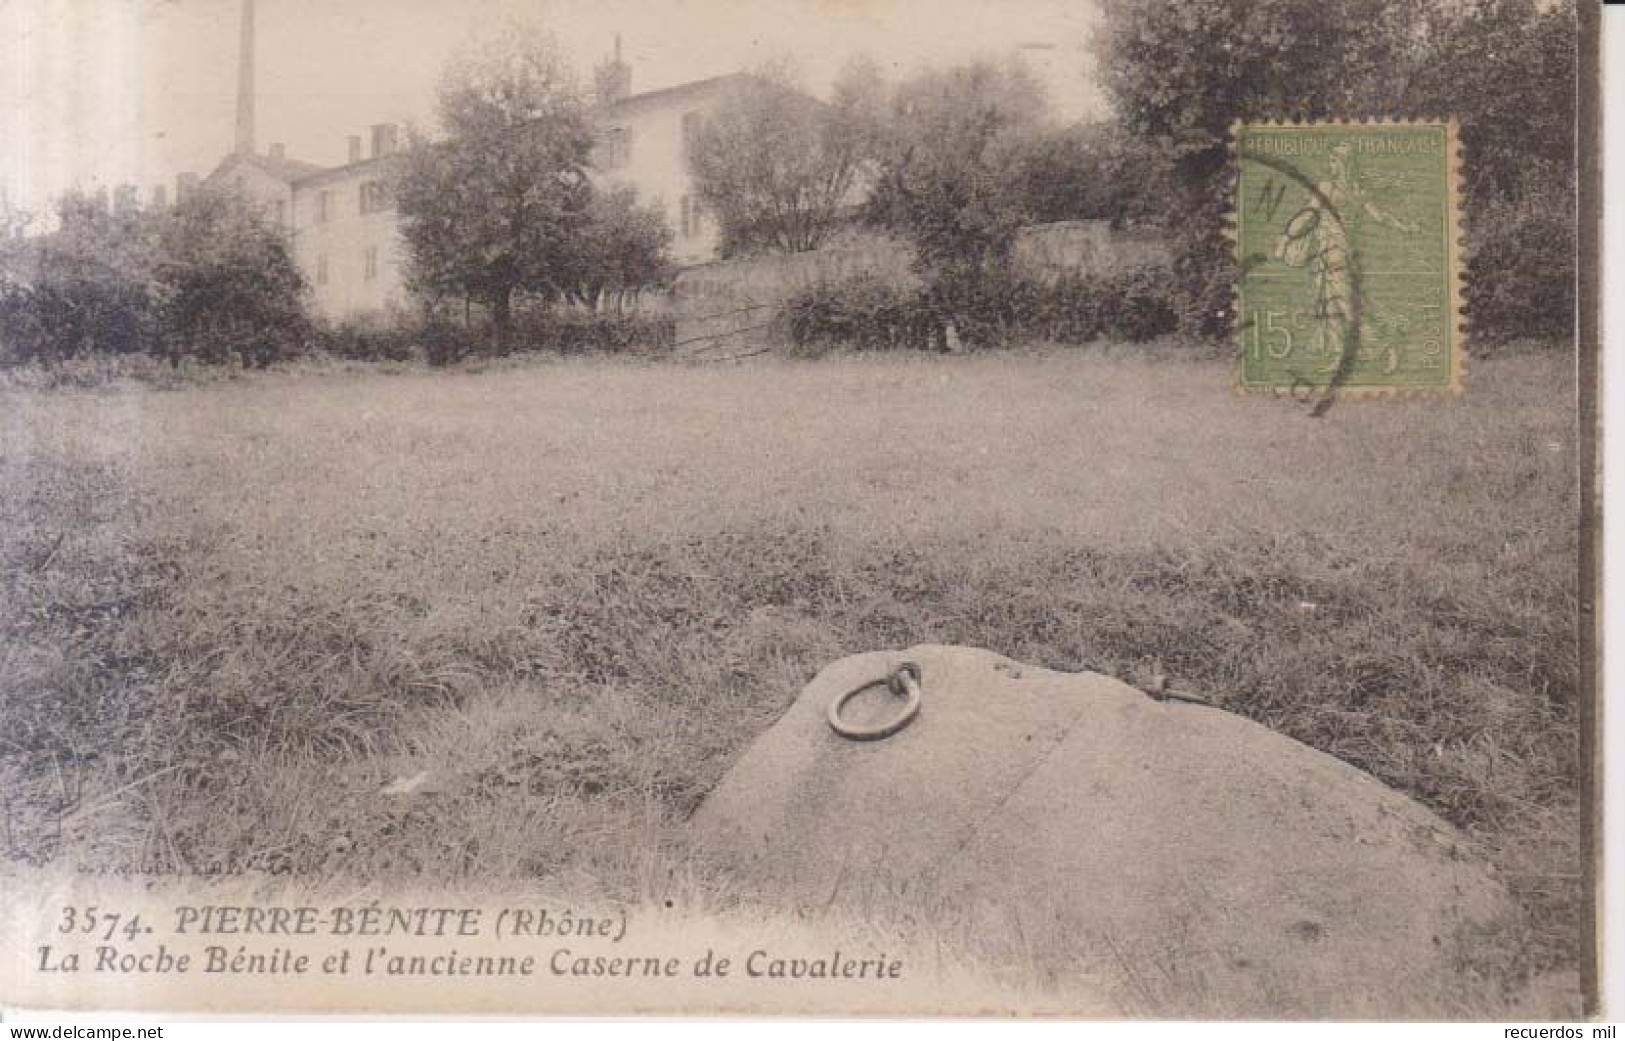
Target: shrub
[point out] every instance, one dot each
(385, 337)
(70, 317)
(86, 287)
(1520, 278)
(993, 308)
(541, 328)
(446, 342)
(18, 327)
(860, 313)
(1133, 306)
(580, 332)
(230, 290)
(209, 279)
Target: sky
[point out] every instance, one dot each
(107, 92)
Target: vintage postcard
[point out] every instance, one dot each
(707, 507)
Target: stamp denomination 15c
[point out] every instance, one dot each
(1348, 241)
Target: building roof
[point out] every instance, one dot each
(664, 95)
(285, 170)
(339, 173)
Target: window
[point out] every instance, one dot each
(321, 269)
(372, 263)
(374, 197)
(324, 206)
(615, 148)
(281, 213)
(687, 211)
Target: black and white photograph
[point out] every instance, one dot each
(856, 508)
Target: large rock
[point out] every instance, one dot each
(1210, 865)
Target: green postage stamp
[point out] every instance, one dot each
(1349, 244)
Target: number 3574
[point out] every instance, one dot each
(90, 921)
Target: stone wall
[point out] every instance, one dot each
(728, 307)
(1048, 251)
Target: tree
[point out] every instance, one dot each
(1179, 74)
(622, 248)
(495, 208)
(1506, 69)
(1093, 171)
(951, 145)
(228, 286)
(775, 165)
(87, 287)
(859, 97)
(210, 278)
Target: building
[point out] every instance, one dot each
(344, 225)
(644, 141)
(340, 219)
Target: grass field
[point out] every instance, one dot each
(573, 591)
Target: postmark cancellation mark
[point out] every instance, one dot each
(1349, 253)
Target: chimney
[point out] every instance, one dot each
(355, 148)
(279, 150)
(245, 83)
(185, 185)
(383, 139)
(160, 197)
(613, 79)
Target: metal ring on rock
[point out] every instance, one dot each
(904, 682)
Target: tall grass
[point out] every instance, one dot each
(572, 593)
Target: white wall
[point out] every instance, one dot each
(343, 241)
(658, 167)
